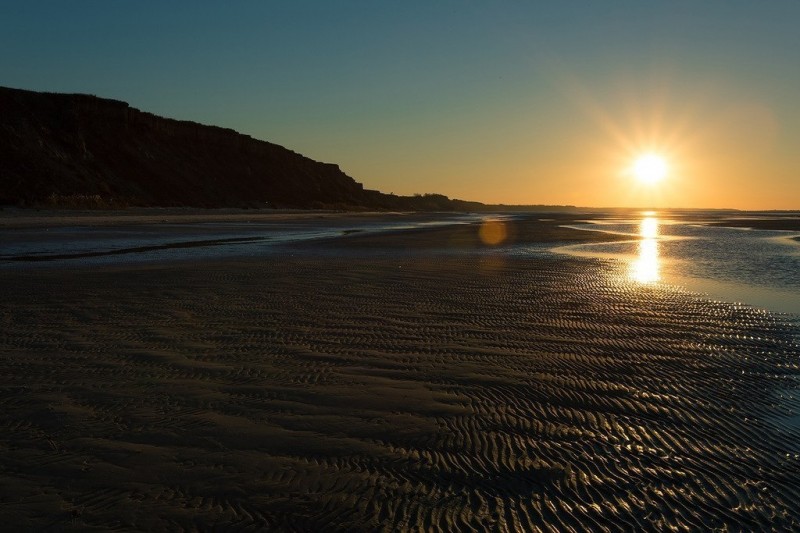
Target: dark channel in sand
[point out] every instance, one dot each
(439, 384)
(132, 250)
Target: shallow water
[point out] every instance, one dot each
(81, 245)
(755, 267)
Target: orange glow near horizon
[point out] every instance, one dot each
(670, 150)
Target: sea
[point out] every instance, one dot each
(753, 267)
(742, 265)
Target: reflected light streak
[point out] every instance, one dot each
(645, 268)
(648, 228)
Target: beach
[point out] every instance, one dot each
(428, 379)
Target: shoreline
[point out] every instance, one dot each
(205, 237)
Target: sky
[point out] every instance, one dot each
(499, 102)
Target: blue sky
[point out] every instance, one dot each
(514, 102)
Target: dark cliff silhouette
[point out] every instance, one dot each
(79, 150)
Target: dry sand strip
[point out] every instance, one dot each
(50, 218)
(418, 388)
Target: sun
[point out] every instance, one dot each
(650, 168)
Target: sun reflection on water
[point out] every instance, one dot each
(645, 268)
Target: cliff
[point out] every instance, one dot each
(75, 149)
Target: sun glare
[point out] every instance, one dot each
(650, 168)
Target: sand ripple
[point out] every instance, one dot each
(403, 392)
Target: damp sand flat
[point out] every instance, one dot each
(409, 381)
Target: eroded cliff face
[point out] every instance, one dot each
(57, 148)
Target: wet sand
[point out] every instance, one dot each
(418, 380)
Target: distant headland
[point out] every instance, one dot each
(77, 150)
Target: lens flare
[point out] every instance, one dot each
(493, 232)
